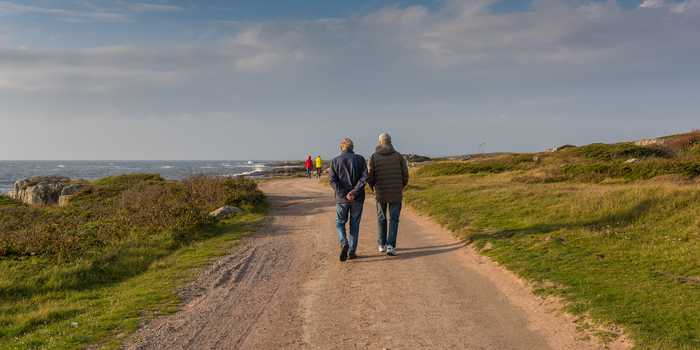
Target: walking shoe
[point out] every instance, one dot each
(352, 256)
(382, 249)
(344, 252)
(390, 251)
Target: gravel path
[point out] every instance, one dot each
(286, 289)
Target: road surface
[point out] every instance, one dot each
(286, 289)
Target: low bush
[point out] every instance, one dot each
(117, 208)
(601, 151)
(683, 142)
(642, 170)
(489, 165)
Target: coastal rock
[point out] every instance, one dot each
(225, 211)
(68, 192)
(44, 190)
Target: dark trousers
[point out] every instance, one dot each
(388, 218)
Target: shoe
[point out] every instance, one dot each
(352, 256)
(382, 248)
(344, 252)
(390, 251)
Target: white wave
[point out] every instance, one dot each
(167, 167)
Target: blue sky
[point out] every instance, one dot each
(158, 79)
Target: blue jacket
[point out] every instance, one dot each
(348, 172)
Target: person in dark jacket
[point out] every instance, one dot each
(388, 176)
(348, 176)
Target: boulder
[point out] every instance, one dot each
(44, 190)
(225, 211)
(632, 160)
(68, 192)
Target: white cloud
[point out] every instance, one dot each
(678, 7)
(253, 52)
(151, 7)
(119, 11)
(461, 55)
(11, 8)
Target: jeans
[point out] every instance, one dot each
(343, 212)
(394, 211)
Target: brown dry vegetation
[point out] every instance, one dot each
(116, 208)
(91, 271)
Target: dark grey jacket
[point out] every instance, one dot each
(348, 172)
(388, 174)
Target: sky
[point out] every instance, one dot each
(252, 79)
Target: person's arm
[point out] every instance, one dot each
(371, 179)
(363, 178)
(333, 177)
(404, 170)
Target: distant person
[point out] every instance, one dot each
(388, 176)
(319, 167)
(348, 175)
(308, 165)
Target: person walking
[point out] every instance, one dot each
(388, 176)
(308, 165)
(348, 176)
(319, 166)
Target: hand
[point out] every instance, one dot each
(350, 196)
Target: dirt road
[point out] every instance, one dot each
(286, 289)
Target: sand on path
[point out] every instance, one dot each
(286, 289)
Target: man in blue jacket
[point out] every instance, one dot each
(348, 175)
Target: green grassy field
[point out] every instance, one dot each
(107, 268)
(619, 251)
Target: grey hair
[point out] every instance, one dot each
(346, 144)
(385, 139)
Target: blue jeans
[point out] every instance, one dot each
(394, 211)
(343, 212)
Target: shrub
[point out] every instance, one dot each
(601, 151)
(119, 207)
(488, 165)
(594, 172)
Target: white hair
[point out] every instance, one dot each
(346, 144)
(384, 139)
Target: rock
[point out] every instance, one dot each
(72, 189)
(39, 190)
(68, 192)
(649, 142)
(630, 161)
(225, 211)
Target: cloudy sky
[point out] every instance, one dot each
(251, 79)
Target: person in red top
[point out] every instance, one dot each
(309, 166)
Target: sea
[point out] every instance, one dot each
(11, 171)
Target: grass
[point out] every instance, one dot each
(623, 253)
(98, 294)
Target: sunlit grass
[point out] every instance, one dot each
(48, 306)
(625, 253)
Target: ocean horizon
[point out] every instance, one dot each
(14, 170)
